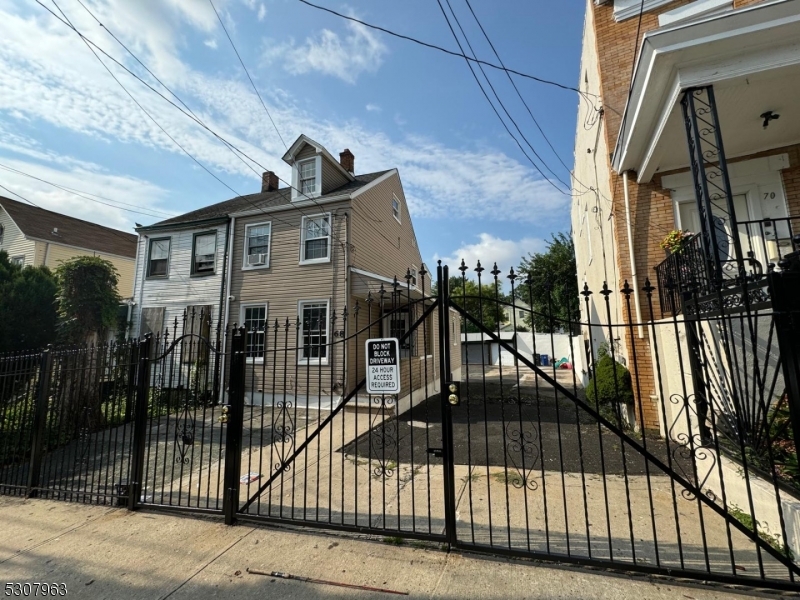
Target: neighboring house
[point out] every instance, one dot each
(710, 78)
(306, 254)
(516, 316)
(33, 236)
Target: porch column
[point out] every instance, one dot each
(712, 186)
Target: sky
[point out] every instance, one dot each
(471, 190)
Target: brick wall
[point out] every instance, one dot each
(652, 215)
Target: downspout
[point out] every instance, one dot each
(635, 279)
(227, 284)
(141, 286)
(346, 296)
(218, 375)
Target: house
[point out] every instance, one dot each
(290, 264)
(691, 126)
(515, 316)
(34, 236)
(732, 68)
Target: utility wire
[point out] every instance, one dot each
(519, 94)
(19, 196)
(238, 152)
(143, 109)
(82, 194)
(445, 50)
(483, 90)
(255, 89)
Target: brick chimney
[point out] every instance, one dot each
(269, 182)
(348, 161)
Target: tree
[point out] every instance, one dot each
(88, 300)
(553, 291)
(479, 301)
(27, 306)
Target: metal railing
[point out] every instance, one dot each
(690, 270)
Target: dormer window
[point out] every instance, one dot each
(307, 176)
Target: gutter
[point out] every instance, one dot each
(635, 279)
(183, 224)
(218, 375)
(227, 285)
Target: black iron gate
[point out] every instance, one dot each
(584, 441)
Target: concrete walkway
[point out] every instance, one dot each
(113, 553)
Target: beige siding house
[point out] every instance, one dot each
(33, 236)
(303, 268)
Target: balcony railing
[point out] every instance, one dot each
(689, 273)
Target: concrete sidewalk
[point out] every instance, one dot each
(113, 553)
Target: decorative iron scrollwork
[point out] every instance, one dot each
(283, 433)
(184, 433)
(690, 448)
(522, 443)
(383, 435)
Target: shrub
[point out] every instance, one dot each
(602, 387)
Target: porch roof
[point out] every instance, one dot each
(749, 55)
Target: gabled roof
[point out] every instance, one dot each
(302, 141)
(48, 226)
(259, 201)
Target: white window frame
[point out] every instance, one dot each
(246, 266)
(397, 217)
(150, 242)
(414, 276)
(18, 260)
(694, 10)
(242, 308)
(314, 261)
(296, 193)
(193, 268)
(313, 361)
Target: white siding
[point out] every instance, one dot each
(592, 222)
(14, 241)
(180, 288)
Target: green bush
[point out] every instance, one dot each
(604, 389)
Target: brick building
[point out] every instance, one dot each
(667, 86)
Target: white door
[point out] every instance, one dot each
(690, 219)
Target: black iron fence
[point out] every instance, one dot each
(662, 447)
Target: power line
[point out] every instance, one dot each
(480, 85)
(81, 194)
(143, 109)
(255, 89)
(189, 114)
(19, 196)
(519, 94)
(445, 50)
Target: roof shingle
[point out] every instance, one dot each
(56, 228)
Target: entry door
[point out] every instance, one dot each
(690, 219)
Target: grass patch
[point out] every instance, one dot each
(774, 540)
(471, 477)
(507, 477)
(394, 541)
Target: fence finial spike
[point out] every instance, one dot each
(479, 269)
(605, 291)
(626, 289)
(648, 288)
(463, 267)
(408, 276)
(495, 271)
(511, 275)
(586, 292)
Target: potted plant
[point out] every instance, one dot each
(675, 240)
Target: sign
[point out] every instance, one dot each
(383, 366)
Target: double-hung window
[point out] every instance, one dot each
(396, 208)
(204, 251)
(254, 321)
(18, 261)
(158, 261)
(256, 250)
(307, 176)
(316, 239)
(413, 271)
(313, 332)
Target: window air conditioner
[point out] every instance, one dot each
(256, 260)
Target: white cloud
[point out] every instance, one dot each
(345, 57)
(373, 108)
(490, 250)
(262, 12)
(211, 43)
(48, 75)
(119, 194)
